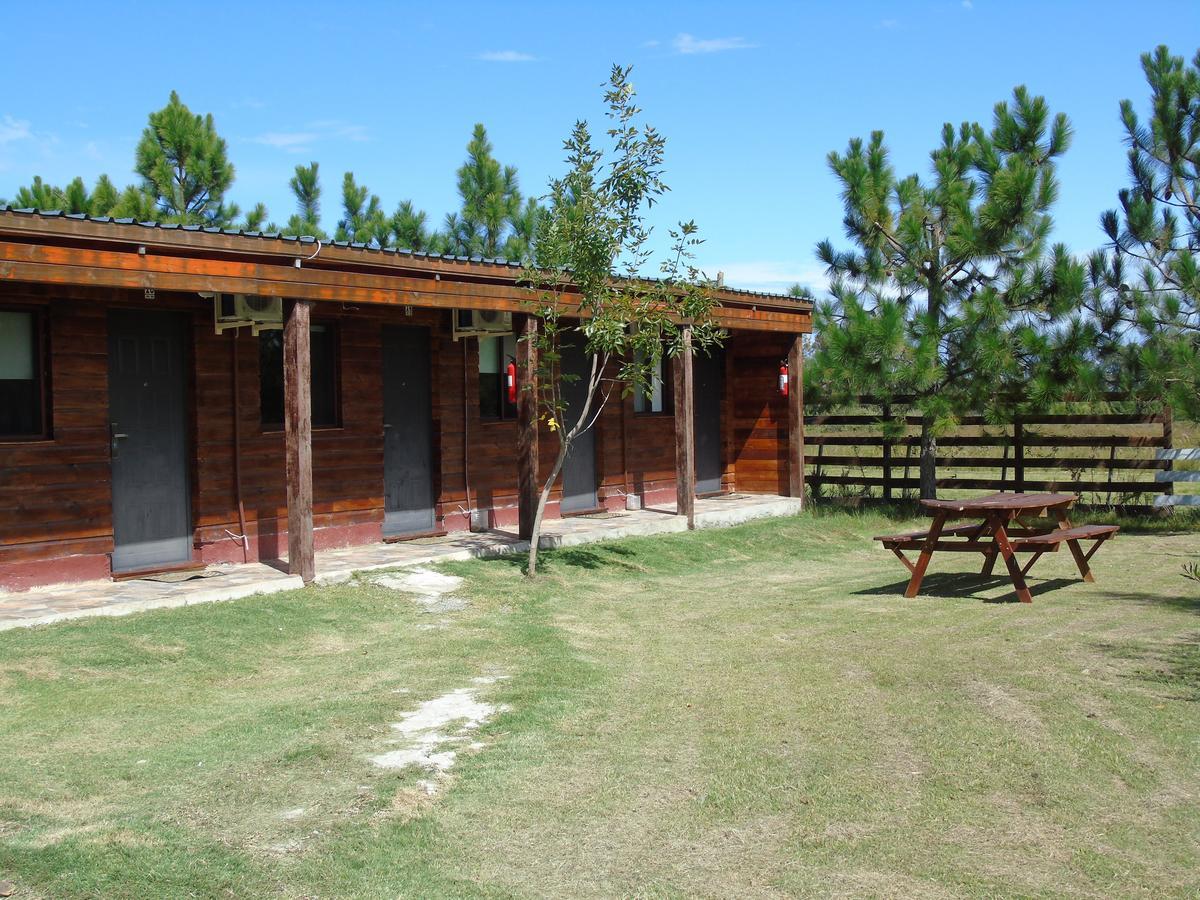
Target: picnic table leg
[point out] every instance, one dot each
(1076, 551)
(989, 561)
(1000, 535)
(935, 531)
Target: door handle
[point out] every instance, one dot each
(114, 436)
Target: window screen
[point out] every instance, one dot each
(324, 387)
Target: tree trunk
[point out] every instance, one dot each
(543, 497)
(928, 460)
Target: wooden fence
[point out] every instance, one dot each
(1110, 458)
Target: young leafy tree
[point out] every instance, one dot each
(184, 166)
(1146, 282)
(592, 248)
(949, 295)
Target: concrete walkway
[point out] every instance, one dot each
(41, 606)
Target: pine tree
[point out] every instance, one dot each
(494, 221)
(1145, 284)
(184, 166)
(949, 295)
(306, 188)
(363, 219)
(408, 228)
(75, 198)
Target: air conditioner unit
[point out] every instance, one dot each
(481, 322)
(241, 311)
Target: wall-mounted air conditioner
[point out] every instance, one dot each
(481, 323)
(244, 311)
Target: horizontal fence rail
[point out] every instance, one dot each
(1108, 456)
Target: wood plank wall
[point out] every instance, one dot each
(55, 496)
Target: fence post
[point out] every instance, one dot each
(887, 457)
(1168, 439)
(1018, 454)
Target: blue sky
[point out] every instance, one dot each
(751, 96)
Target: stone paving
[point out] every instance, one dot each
(55, 603)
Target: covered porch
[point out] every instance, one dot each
(221, 582)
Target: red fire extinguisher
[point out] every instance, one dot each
(510, 380)
(783, 379)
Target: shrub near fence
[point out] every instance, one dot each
(1115, 456)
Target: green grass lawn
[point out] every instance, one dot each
(751, 712)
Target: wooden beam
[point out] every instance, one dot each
(795, 405)
(297, 413)
(28, 228)
(109, 268)
(526, 328)
(685, 444)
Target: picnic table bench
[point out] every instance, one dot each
(1001, 528)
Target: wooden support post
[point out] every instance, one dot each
(795, 405)
(526, 328)
(685, 446)
(297, 414)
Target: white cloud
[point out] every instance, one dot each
(314, 132)
(339, 130)
(967, 4)
(687, 44)
(506, 56)
(14, 130)
(292, 141)
(771, 275)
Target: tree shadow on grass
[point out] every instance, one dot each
(1186, 604)
(590, 558)
(1173, 665)
(968, 586)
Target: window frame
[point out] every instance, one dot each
(41, 347)
(668, 390)
(508, 412)
(333, 326)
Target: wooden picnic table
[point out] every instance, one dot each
(1000, 526)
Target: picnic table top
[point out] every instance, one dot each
(1009, 501)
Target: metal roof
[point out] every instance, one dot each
(351, 245)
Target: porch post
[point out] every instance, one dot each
(795, 402)
(685, 444)
(526, 326)
(297, 414)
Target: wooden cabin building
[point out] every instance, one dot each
(146, 424)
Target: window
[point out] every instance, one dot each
(495, 353)
(324, 355)
(22, 389)
(658, 398)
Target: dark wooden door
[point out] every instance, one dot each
(579, 469)
(407, 432)
(707, 375)
(148, 437)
